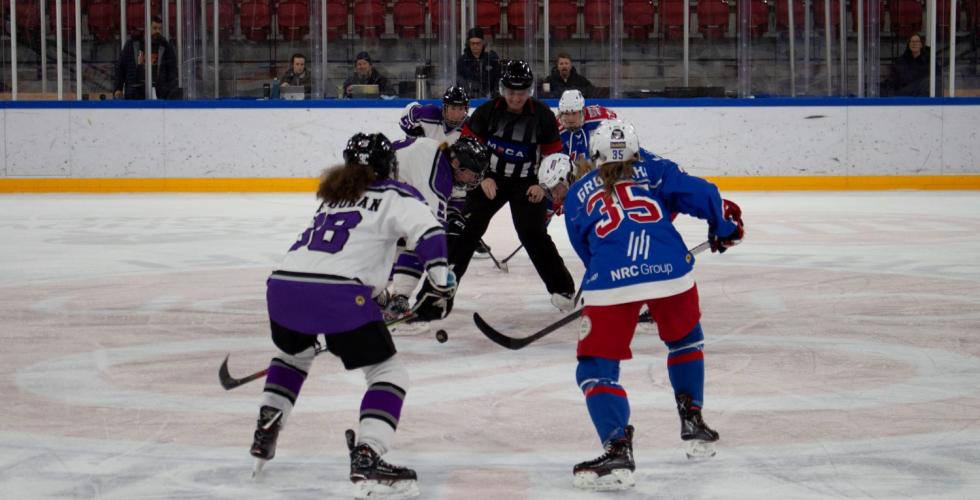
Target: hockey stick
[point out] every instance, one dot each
(516, 343)
(229, 382)
(500, 265)
(512, 254)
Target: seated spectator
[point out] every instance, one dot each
(297, 75)
(365, 74)
(910, 72)
(564, 77)
(478, 69)
(130, 71)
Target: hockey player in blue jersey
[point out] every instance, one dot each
(618, 221)
(576, 122)
(324, 285)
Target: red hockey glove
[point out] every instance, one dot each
(732, 213)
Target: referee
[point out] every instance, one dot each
(518, 130)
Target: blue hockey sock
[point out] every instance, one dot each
(685, 365)
(605, 398)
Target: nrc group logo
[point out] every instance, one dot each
(639, 246)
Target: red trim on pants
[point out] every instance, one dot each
(605, 389)
(684, 358)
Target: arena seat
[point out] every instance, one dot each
(906, 16)
(336, 19)
(256, 19)
(488, 16)
(782, 15)
(638, 17)
(226, 17)
(867, 8)
(712, 18)
(409, 18)
(598, 14)
(516, 19)
(103, 19)
(369, 18)
(136, 17)
(294, 19)
(672, 18)
(67, 18)
(818, 15)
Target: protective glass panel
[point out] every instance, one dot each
(576, 49)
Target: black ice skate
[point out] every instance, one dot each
(375, 478)
(698, 438)
(266, 433)
(482, 251)
(611, 471)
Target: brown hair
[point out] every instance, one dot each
(344, 183)
(563, 55)
(613, 172)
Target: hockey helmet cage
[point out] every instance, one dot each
(472, 156)
(571, 101)
(372, 150)
(517, 75)
(554, 168)
(612, 141)
(456, 94)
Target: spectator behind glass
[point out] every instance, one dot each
(910, 72)
(478, 69)
(364, 74)
(564, 77)
(130, 71)
(297, 75)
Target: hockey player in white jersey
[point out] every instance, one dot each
(442, 124)
(325, 284)
(438, 171)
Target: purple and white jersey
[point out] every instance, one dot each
(423, 165)
(357, 240)
(425, 120)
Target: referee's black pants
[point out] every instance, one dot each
(530, 221)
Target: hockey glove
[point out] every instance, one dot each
(733, 214)
(432, 303)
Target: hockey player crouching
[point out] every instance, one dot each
(618, 221)
(325, 284)
(437, 171)
(443, 125)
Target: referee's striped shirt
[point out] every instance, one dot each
(516, 141)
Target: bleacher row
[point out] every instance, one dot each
(255, 19)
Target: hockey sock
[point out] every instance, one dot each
(381, 406)
(287, 372)
(406, 273)
(605, 398)
(685, 365)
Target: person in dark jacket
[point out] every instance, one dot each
(131, 73)
(478, 69)
(297, 75)
(564, 77)
(365, 74)
(910, 72)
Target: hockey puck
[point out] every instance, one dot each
(442, 336)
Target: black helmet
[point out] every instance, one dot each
(473, 156)
(372, 150)
(517, 75)
(456, 95)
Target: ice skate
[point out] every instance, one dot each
(482, 251)
(375, 478)
(699, 439)
(610, 472)
(266, 434)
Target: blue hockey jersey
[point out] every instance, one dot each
(575, 143)
(627, 241)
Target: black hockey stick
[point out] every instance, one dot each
(512, 254)
(229, 382)
(515, 343)
(500, 265)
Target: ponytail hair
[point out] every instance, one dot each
(613, 172)
(345, 183)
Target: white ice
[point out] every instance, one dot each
(843, 359)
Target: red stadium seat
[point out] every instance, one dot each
(867, 8)
(136, 17)
(562, 18)
(972, 11)
(516, 19)
(906, 16)
(28, 16)
(758, 18)
(226, 17)
(818, 14)
(67, 18)
(782, 15)
(598, 15)
(369, 18)
(294, 19)
(488, 16)
(637, 18)
(256, 19)
(103, 19)
(336, 18)
(712, 18)
(409, 17)
(672, 18)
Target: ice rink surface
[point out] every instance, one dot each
(842, 354)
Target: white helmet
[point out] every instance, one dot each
(554, 169)
(613, 140)
(571, 101)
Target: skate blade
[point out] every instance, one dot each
(480, 256)
(391, 490)
(257, 469)
(617, 480)
(697, 449)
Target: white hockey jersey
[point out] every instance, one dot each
(358, 240)
(425, 120)
(424, 166)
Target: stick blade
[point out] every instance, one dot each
(227, 381)
(495, 336)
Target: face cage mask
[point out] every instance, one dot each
(454, 124)
(466, 186)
